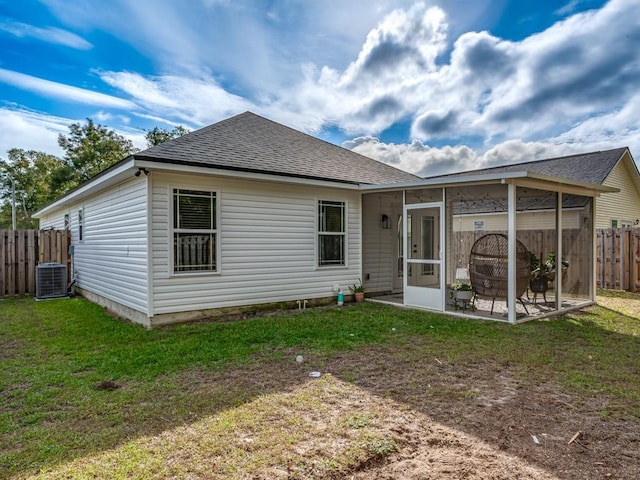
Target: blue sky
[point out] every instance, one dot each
(431, 87)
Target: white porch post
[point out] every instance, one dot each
(511, 266)
(594, 270)
(559, 251)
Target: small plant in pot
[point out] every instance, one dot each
(462, 291)
(543, 272)
(539, 282)
(358, 291)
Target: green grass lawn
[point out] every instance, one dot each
(56, 356)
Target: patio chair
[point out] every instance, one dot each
(488, 268)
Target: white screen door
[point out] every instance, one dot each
(423, 280)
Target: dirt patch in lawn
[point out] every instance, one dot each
(453, 420)
(497, 426)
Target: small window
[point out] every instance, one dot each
(81, 224)
(194, 231)
(614, 223)
(478, 225)
(331, 233)
(66, 221)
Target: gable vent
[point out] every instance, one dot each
(51, 280)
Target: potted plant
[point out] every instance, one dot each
(539, 282)
(461, 295)
(544, 272)
(462, 291)
(358, 291)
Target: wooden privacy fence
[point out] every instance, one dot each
(618, 259)
(22, 250)
(617, 254)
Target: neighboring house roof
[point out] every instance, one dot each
(248, 142)
(591, 167)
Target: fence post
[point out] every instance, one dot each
(32, 249)
(3, 262)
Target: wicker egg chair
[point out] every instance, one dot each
(488, 268)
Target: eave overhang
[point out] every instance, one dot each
(127, 168)
(523, 179)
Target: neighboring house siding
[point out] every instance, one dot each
(111, 260)
(623, 206)
(267, 234)
(524, 221)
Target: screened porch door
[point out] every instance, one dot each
(423, 279)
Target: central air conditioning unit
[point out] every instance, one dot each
(51, 280)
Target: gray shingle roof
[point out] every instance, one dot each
(248, 142)
(586, 167)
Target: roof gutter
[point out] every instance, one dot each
(108, 177)
(518, 178)
(127, 168)
(243, 174)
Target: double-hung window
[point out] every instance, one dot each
(331, 233)
(195, 233)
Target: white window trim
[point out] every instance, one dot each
(172, 230)
(316, 205)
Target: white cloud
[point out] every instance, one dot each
(517, 151)
(568, 8)
(194, 101)
(490, 90)
(378, 88)
(50, 89)
(416, 157)
(617, 128)
(30, 131)
(335, 64)
(532, 89)
(46, 34)
(422, 160)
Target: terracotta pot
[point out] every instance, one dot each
(359, 297)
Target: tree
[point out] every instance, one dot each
(157, 135)
(89, 149)
(31, 173)
(40, 178)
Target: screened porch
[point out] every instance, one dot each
(508, 249)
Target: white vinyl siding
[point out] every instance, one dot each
(378, 249)
(267, 237)
(56, 220)
(620, 206)
(525, 221)
(111, 261)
